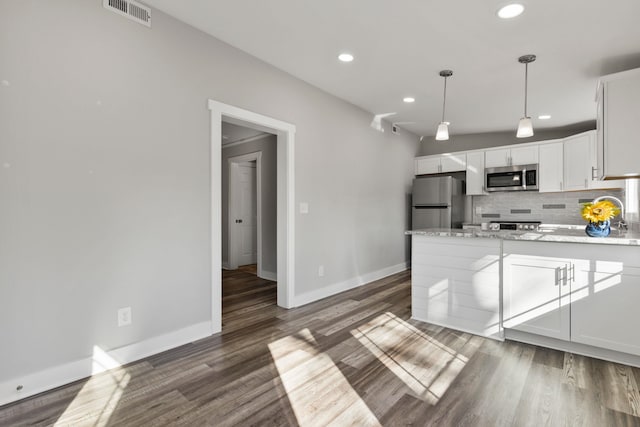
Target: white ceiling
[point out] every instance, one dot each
(234, 133)
(401, 45)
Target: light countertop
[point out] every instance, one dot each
(551, 233)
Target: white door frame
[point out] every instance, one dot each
(285, 203)
(232, 243)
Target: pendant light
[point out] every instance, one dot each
(442, 133)
(525, 127)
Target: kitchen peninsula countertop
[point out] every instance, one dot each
(551, 233)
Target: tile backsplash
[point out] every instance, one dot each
(550, 208)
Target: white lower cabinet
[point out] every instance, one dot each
(456, 283)
(536, 290)
(605, 299)
(583, 293)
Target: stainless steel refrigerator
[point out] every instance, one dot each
(438, 202)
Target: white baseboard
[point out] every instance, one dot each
(268, 275)
(572, 347)
(498, 335)
(64, 374)
(346, 285)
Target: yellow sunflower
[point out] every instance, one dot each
(600, 211)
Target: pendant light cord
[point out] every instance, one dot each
(526, 81)
(444, 98)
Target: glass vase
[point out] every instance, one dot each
(598, 229)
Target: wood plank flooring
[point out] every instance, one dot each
(355, 359)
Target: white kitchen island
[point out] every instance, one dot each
(557, 288)
(455, 282)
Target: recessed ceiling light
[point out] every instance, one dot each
(510, 11)
(544, 116)
(408, 99)
(345, 57)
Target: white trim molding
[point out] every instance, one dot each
(57, 376)
(346, 285)
(573, 347)
(285, 204)
(268, 275)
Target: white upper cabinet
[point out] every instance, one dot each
(475, 173)
(524, 155)
(580, 164)
(456, 162)
(427, 165)
(496, 158)
(618, 117)
(569, 165)
(550, 168)
(577, 161)
(511, 156)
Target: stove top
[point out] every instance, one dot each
(515, 225)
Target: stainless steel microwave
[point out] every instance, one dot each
(512, 178)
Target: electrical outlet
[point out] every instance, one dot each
(124, 316)
(321, 271)
(478, 210)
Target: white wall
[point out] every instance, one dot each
(104, 134)
(632, 203)
(477, 141)
(266, 145)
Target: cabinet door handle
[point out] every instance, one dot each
(561, 185)
(586, 183)
(557, 271)
(565, 279)
(593, 172)
(573, 273)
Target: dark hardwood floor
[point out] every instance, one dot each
(355, 359)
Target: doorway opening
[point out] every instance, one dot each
(284, 133)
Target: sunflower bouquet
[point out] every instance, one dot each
(599, 215)
(600, 211)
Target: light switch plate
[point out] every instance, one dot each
(124, 316)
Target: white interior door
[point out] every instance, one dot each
(246, 221)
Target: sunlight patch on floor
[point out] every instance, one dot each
(318, 392)
(101, 392)
(425, 365)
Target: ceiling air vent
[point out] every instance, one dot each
(130, 9)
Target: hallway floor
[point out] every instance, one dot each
(352, 359)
